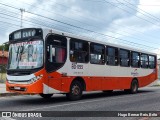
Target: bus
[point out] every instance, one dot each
(47, 61)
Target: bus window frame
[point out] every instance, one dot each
(80, 41)
(117, 49)
(104, 59)
(139, 62)
(129, 58)
(154, 61)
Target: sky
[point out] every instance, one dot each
(133, 23)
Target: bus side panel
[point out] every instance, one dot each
(146, 80)
(88, 82)
(112, 83)
(96, 83)
(55, 83)
(55, 80)
(66, 82)
(109, 83)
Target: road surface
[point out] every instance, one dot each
(147, 99)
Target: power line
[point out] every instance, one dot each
(80, 27)
(146, 13)
(73, 19)
(131, 13)
(40, 23)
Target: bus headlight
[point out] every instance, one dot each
(35, 79)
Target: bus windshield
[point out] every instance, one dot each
(26, 55)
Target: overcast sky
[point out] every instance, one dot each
(132, 23)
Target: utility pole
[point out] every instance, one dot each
(22, 10)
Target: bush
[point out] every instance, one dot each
(3, 68)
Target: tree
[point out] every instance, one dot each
(5, 47)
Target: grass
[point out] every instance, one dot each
(2, 77)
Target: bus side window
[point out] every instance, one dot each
(97, 53)
(60, 55)
(135, 59)
(79, 51)
(144, 60)
(152, 62)
(124, 57)
(56, 55)
(112, 56)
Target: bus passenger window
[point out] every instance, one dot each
(124, 58)
(144, 61)
(112, 56)
(97, 53)
(152, 62)
(135, 59)
(79, 51)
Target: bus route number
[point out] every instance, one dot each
(75, 66)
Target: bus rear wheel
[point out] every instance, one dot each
(75, 91)
(134, 87)
(46, 95)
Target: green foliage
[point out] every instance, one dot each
(3, 68)
(5, 47)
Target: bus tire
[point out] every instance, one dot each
(75, 91)
(46, 95)
(134, 87)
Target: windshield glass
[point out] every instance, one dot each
(26, 55)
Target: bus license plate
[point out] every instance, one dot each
(17, 88)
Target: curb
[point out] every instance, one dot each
(9, 94)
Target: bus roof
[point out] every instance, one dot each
(70, 35)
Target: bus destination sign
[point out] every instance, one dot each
(25, 33)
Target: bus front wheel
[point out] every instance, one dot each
(46, 95)
(75, 91)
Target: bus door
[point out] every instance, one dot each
(56, 53)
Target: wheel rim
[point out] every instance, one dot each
(135, 87)
(75, 90)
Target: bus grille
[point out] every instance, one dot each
(20, 88)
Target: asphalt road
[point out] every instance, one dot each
(147, 99)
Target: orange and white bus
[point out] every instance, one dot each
(46, 62)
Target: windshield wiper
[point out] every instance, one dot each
(17, 54)
(21, 52)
